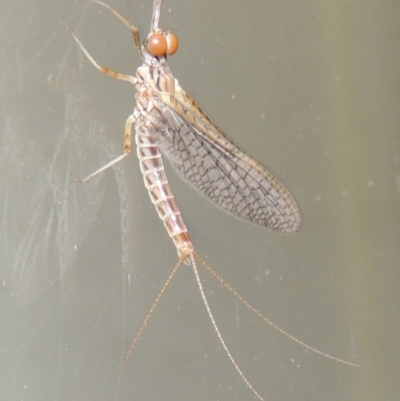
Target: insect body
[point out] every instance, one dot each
(166, 118)
(169, 121)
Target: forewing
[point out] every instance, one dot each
(223, 173)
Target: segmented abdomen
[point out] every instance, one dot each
(156, 182)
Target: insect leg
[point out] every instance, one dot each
(133, 28)
(104, 70)
(127, 149)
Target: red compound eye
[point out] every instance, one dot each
(157, 45)
(172, 43)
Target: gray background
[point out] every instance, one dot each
(309, 88)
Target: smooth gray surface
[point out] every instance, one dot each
(308, 88)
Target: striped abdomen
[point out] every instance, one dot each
(156, 182)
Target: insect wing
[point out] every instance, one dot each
(219, 170)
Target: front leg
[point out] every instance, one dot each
(104, 70)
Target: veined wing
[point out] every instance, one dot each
(219, 170)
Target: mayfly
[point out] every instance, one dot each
(169, 121)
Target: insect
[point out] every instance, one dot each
(168, 121)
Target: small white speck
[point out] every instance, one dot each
(370, 183)
(233, 96)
